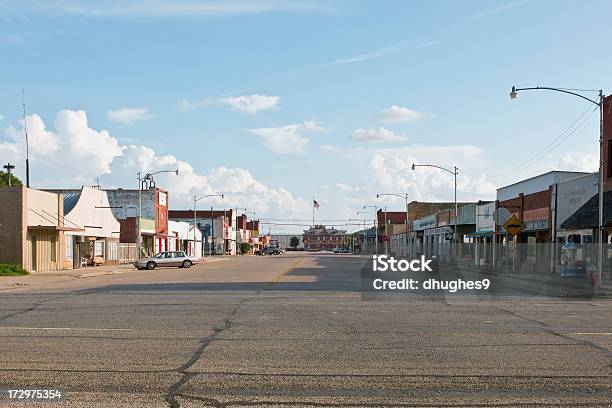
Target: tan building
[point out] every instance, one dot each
(32, 229)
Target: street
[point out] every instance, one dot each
(293, 330)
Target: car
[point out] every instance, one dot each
(336, 250)
(268, 251)
(166, 258)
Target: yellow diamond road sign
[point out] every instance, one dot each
(514, 225)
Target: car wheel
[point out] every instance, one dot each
(151, 265)
(186, 264)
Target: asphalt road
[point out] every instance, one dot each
(293, 330)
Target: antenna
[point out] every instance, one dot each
(25, 131)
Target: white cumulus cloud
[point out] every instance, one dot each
(88, 154)
(398, 114)
(251, 104)
(129, 116)
(41, 142)
(377, 135)
(288, 138)
(579, 162)
(392, 170)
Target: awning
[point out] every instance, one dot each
(55, 228)
(480, 234)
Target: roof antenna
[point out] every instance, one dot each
(25, 131)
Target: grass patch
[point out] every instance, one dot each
(12, 270)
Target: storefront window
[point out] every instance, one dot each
(69, 247)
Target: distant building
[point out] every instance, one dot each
(320, 237)
(284, 240)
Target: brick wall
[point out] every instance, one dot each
(607, 142)
(12, 225)
(418, 210)
(129, 230)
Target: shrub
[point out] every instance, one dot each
(12, 270)
(245, 248)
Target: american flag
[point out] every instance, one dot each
(315, 204)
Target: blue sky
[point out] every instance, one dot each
(224, 88)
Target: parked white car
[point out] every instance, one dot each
(168, 258)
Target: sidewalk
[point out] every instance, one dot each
(12, 282)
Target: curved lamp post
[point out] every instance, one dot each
(195, 225)
(454, 172)
(146, 179)
(375, 226)
(365, 247)
(514, 94)
(405, 197)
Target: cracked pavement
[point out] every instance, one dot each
(292, 330)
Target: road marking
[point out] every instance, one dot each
(62, 328)
(283, 273)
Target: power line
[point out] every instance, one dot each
(550, 147)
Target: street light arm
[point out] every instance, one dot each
(195, 198)
(391, 194)
(437, 167)
(547, 88)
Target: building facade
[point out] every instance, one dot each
(321, 238)
(32, 230)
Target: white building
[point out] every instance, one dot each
(98, 242)
(181, 238)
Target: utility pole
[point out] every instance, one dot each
(212, 233)
(9, 169)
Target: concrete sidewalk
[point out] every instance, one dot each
(12, 282)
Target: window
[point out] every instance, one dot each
(99, 249)
(69, 246)
(53, 242)
(113, 250)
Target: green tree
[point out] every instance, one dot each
(294, 242)
(245, 248)
(15, 182)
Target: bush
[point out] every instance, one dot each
(245, 248)
(12, 270)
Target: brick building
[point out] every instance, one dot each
(321, 238)
(530, 200)
(154, 216)
(216, 226)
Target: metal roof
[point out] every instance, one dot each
(70, 201)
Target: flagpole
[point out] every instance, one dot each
(313, 208)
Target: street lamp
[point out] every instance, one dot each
(148, 180)
(212, 220)
(405, 196)
(375, 224)
(365, 247)
(514, 94)
(454, 172)
(236, 226)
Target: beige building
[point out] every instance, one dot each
(32, 229)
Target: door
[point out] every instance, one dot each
(166, 259)
(178, 258)
(33, 253)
